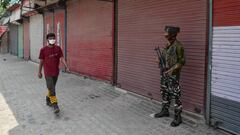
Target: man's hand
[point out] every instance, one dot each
(65, 64)
(40, 69)
(168, 72)
(67, 70)
(39, 75)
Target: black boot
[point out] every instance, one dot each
(177, 119)
(48, 102)
(164, 113)
(56, 108)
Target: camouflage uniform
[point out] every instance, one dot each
(173, 54)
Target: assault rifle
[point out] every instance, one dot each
(170, 80)
(162, 62)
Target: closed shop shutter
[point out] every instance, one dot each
(225, 92)
(89, 38)
(141, 27)
(26, 40)
(4, 39)
(55, 22)
(20, 41)
(4, 43)
(59, 28)
(48, 24)
(13, 42)
(36, 36)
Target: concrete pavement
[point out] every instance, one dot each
(88, 107)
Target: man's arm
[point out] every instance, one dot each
(180, 58)
(40, 68)
(64, 63)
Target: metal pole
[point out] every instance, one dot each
(209, 72)
(65, 32)
(115, 42)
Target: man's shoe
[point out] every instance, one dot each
(177, 120)
(48, 102)
(56, 108)
(163, 113)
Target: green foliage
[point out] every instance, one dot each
(4, 3)
(3, 6)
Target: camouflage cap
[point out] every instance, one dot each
(172, 30)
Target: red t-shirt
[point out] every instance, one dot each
(51, 57)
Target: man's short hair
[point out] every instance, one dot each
(50, 35)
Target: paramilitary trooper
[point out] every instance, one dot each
(173, 55)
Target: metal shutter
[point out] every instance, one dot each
(26, 40)
(13, 42)
(89, 38)
(59, 28)
(36, 36)
(141, 28)
(225, 91)
(20, 41)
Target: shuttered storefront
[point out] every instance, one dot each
(20, 41)
(59, 27)
(48, 24)
(36, 36)
(55, 22)
(13, 39)
(26, 40)
(141, 27)
(25, 13)
(4, 39)
(225, 91)
(14, 25)
(90, 38)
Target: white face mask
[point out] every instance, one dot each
(51, 41)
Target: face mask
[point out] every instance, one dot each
(51, 41)
(170, 38)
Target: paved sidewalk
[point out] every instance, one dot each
(88, 107)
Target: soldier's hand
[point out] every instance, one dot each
(169, 72)
(39, 75)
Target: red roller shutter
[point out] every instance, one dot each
(26, 40)
(48, 24)
(55, 22)
(26, 31)
(89, 38)
(141, 28)
(3, 29)
(59, 27)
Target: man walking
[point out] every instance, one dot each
(50, 57)
(173, 55)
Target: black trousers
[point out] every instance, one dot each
(51, 85)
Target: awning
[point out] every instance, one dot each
(43, 3)
(15, 15)
(5, 20)
(3, 29)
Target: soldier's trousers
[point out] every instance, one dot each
(169, 93)
(51, 85)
